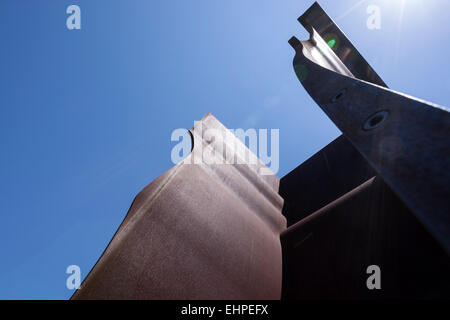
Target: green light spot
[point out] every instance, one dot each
(331, 43)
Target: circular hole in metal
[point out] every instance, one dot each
(339, 95)
(375, 120)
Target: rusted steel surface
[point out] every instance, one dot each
(403, 138)
(199, 231)
(326, 255)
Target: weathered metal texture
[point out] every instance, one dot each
(406, 140)
(199, 231)
(326, 176)
(326, 255)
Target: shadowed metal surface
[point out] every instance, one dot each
(403, 138)
(326, 254)
(326, 176)
(199, 231)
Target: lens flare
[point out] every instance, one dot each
(331, 43)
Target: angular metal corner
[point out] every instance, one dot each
(404, 139)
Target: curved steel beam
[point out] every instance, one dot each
(405, 139)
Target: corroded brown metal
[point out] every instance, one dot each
(199, 231)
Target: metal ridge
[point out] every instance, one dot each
(199, 231)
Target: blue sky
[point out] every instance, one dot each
(86, 115)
